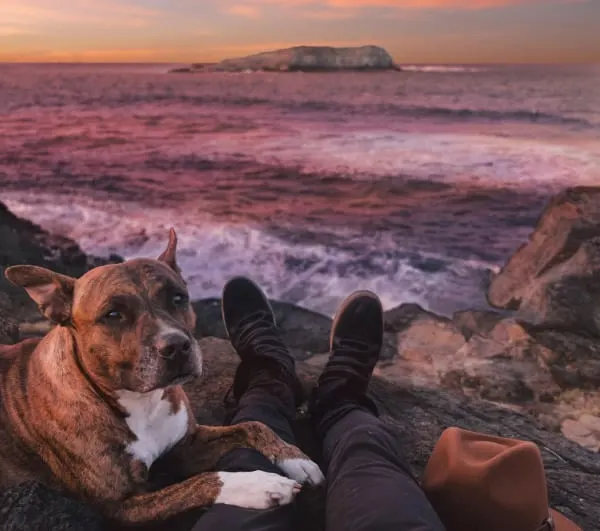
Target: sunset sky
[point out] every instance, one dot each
(413, 31)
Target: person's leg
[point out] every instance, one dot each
(265, 389)
(370, 486)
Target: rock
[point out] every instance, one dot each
(24, 242)
(530, 370)
(570, 219)
(424, 350)
(584, 431)
(471, 322)
(424, 342)
(573, 359)
(9, 324)
(567, 296)
(401, 317)
(502, 366)
(33, 507)
(308, 59)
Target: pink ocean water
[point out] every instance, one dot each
(413, 184)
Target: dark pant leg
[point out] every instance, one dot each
(230, 518)
(370, 487)
(257, 404)
(264, 405)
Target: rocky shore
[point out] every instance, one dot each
(304, 59)
(529, 368)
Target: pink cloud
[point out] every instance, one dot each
(28, 13)
(320, 5)
(429, 4)
(244, 10)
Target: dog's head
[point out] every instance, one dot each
(132, 322)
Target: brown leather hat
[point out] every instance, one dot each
(478, 482)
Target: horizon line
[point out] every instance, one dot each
(399, 63)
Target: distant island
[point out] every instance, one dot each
(304, 59)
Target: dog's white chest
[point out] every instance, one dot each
(152, 421)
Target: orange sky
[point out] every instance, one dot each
(414, 31)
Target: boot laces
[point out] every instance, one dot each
(257, 333)
(350, 346)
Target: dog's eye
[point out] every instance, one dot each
(113, 315)
(179, 299)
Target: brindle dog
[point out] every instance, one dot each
(88, 408)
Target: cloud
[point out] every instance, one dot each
(26, 14)
(242, 10)
(328, 14)
(9, 31)
(325, 6)
(430, 4)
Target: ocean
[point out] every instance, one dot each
(416, 185)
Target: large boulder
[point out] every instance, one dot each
(571, 219)
(307, 59)
(567, 296)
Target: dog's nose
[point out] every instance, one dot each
(170, 345)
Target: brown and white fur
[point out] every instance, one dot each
(91, 406)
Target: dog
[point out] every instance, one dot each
(91, 406)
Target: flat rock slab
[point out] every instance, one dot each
(33, 507)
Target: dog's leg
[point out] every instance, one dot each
(252, 490)
(201, 450)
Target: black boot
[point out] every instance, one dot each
(355, 345)
(265, 359)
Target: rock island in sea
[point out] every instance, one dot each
(304, 59)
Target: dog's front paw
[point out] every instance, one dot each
(302, 469)
(256, 490)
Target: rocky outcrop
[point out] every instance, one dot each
(23, 242)
(305, 59)
(554, 279)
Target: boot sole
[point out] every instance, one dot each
(349, 300)
(264, 297)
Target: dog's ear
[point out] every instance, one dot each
(169, 256)
(52, 292)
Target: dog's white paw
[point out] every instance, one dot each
(256, 490)
(302, 470)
